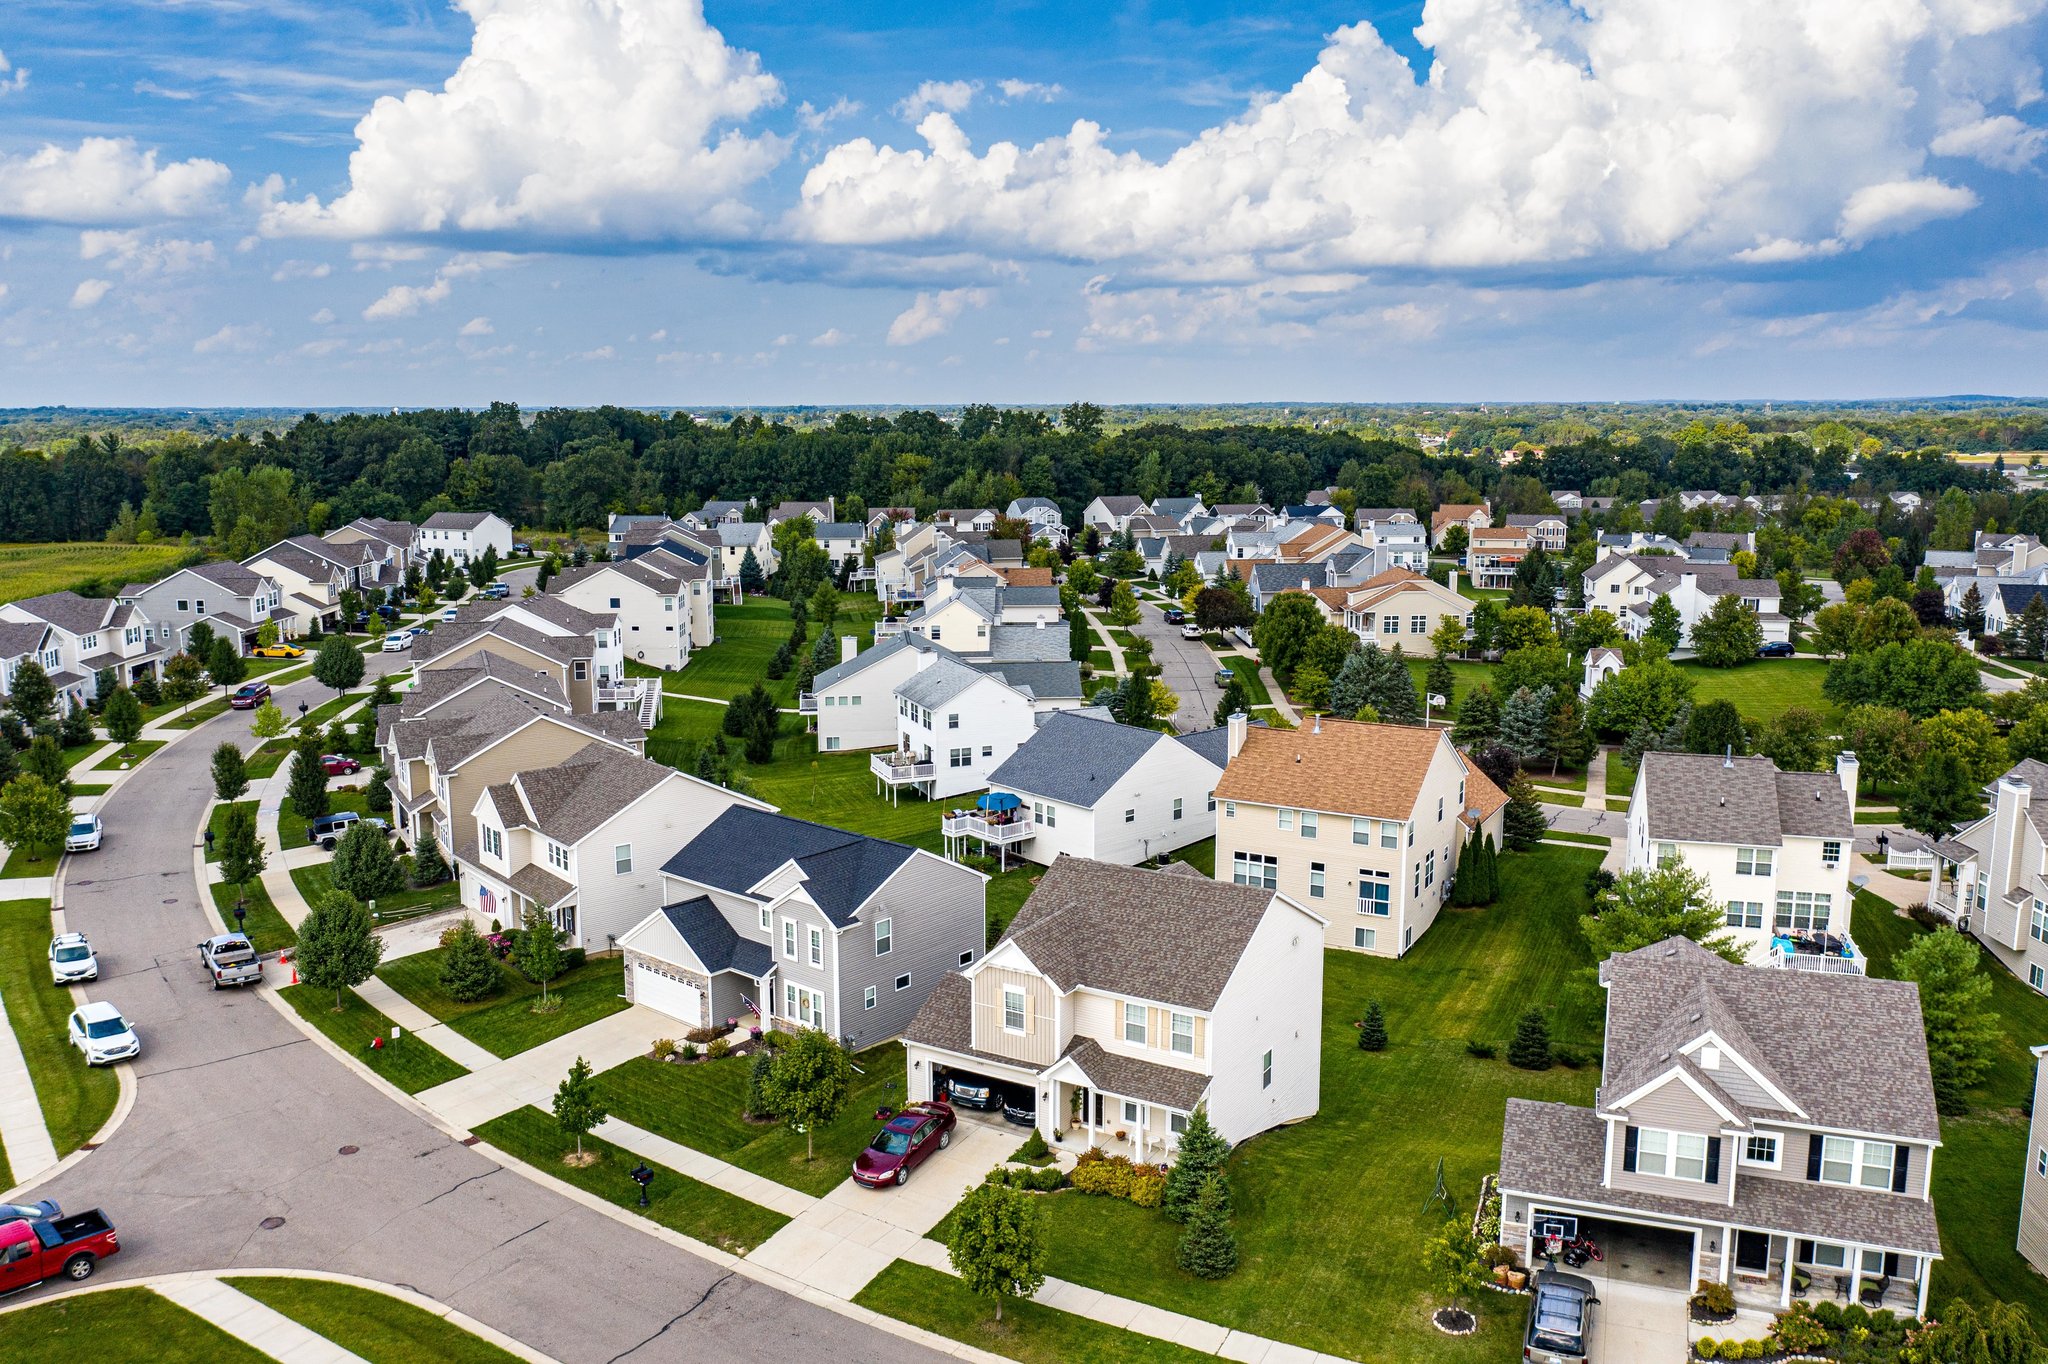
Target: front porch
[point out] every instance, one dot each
(1119, 1125)
(1764, 1279)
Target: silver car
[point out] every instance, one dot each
(1560, 1318)
(72, 959)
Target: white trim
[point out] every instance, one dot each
(1786, 1104)
(1675, 1073)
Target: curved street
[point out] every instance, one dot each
(239, 1119)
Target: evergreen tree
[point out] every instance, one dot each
(364, 864)
(1441, 681)
(242, 858)
(32, 695)
(377, 795)
(199, 641)
(825, 653)
(778, 666)
(1973, 611)
(1492, 864)
(337, 951)
(1522, 824)
(751, 579)
(1478, 719)
(429, 867)
(1525, 724)
(225, 664)
(1641, 739)
(1531, 1048)
(44, 759)
(122, 716)
(76, 730)
(1372, 1029)
(538, 954)
(758, 1105)
(1208, 1248)
(10, 763)
(1234, 699)
(1714, 727)
(148, 690)
(306, 788)
(230, 773)
(469, 969)
(1202, 1152)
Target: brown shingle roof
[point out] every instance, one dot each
(1349, 768)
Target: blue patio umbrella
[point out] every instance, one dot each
(998, 800)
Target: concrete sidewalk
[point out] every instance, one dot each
(705, 1168)
(22, 1130)
(249, 1321)
(423, 1025)
(532, 1076)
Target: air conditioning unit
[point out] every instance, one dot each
(1963, 923)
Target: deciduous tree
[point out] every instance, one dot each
(230, 773)
(998, 1245)
(1655, 903)
(810, 1082)
(337, 950)
(1962, 1035)
(579, 1106)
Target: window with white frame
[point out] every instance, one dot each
(1266, 1071)
(1230, 809)
(1177, 802)
(1184, 1034)
(885, 936)
(1803, 910)
(867, 999)
(622, 858)
(1854, 1162)
(494, 842)
(2037, 923)
(1177, 1123)
(1745, 914)
(1429, 868)
(1255, 869)
(1418, 625)
(903, 981)
(1390, 833)
(1013, 1009)
(1134, 1024)
(789, 939)
(1762, 1151)
(1831, 852)
(960, 757)
(805, 1006)
(1680, 1155)
(1133, 1113)
(1131, 815)
(1308, 824)
(1375, 892)
(967, 956)
(1361, 831)
(558, 856)
(766, 918)
(953, 720)
(1286, 818)
(1667, 853)
(2038, 978)
(817, 947)
(1366, 938)
(1315, 881)
(1753, 861)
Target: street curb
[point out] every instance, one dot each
(455, 1317)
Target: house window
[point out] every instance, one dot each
(1255, 869)
(805, 1006)
(867, 999)
(831, 743)
(1177, 1123)
(967, 956)
(903, 981)
(1753, 861)
(789, 939)
(1375, 892)
(885, 930)
(1013, 1009)
(1390, 623)
(1846, 1160)
(988, 750)
(1184, 1034)
(817, 947)
(1134, 1024)
(1132, 1112)
(582, 673)
(622, 858)
(1212, 802)
(199, 607)
(953, 720)
(2037, 923)
(1681, 1155)
(766, 923)
(494, 842)
(2038, 978)
(1760, 1151)
(615, 603)
(1667, 854)
(1315, 880)
(1418, 625)
(1745, 914)
(1429, 868)
(1803, 910)
(960, 757)
(558, 856)
(2041, 1160)
(1286, 820)
(1176, 807)
(1308, 824)
(1826, 1256)
(1230, 809)
(1266, 1071)
(1361, 832)
(184, 605)
(1130, 816)
(1831, 852)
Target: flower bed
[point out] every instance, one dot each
(1827, 1331)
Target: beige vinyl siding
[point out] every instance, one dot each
(1674, 1106)
(2033, 1239)
(1792, 1161)
(1664, 1184)
(510, 652)
(1739, 1085)
(541, 744)
(1040, 1043)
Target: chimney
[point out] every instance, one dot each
(1728, 755)
(849, 645)
(1239, 723)
(2008, 817)
(1848, 769)
(1454, 580)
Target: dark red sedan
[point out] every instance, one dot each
(334, 765)
(906, 1141)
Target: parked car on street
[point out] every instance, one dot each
(33, 1249)
(71, 959)
(249, 695)
(905, 1142)
(1190, 630)
(277, 651)
(328, 830)
(498, 591)
(46, 1207)
(1560, 1318)
(1174, 615)
(520, 547)
(449, 613)
(1224, 677)
(230, 960)
(98, 1030)
(335, 765)
(1777, 648)
(397, 643)
(84, 834)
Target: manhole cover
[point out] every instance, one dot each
(271, 1223)
(350, 1150)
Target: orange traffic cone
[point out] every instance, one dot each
(286, 959)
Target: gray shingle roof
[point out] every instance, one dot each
(569, 800)
(712, 938)
(1028, 643)
(938, 682)
(1703, 798)
(1075, 760)
(1045, 681)
(68, 611)
(1121, 505)
(861, 662)
(540, 885)
(436, 686)
(1129, 1078)
(841, 870)
(455, 520)
(1211, 744)
(840, 530)
(21, 637)
(1090, 923)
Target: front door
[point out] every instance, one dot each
(1752, 1252)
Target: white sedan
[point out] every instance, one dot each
(1191, 631)
(98, 1030)
(85, 834)
(398, 643)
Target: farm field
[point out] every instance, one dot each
(32, 570)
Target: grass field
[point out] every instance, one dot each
(409, 1063)
(124, 1326)
(699, 1105)
(75, 1098)
(1764, 689)
(748, 636)
(129, 756)
(674, 1200)
(505, 1024)
(267, 929)
(1984, 1152)
(371, 1325)
(32, 570)
(1029, 1332)
(1329, 1212)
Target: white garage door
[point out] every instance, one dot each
(678, 1000)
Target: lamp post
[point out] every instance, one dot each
(642, 1176)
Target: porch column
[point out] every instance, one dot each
(1926, 1274)
(1855, 1274)
(1785, 1295)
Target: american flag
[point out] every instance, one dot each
(486, 901)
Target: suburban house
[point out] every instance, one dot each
(1400, 800)
(1395, 537)
(619, 525)
(582, 840)
(387, 547)
(791, 510)
(2033, 1242)
(901, 570)
(462, 536)
(956, 723)
(1090, 787)
(841, 540)
(232, 600)
(971, 617)
(1774, 847)
(1048, 523)
(802, 926)
(1989, 880)
(85, 636)
(966, 518)
(1626, 584)
(1083, 1012)
(854, 700)
(717, 513)
(1160, 551)
(463, 729)
(1495, 552)
(1182, 511)
(1110, 515)
(313, 581)
(1546, 529)
(21, 641)
(735, 539)
(1723, 1142)
(1313, 544)
(663, 603)
(1472, 517)
(1401, 607)
(582, 651)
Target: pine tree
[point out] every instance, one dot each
(1492, 885)
(758, 1087)
(1525, 724)
(148, 690)
(364, 864)
(1372, 1029)
(76, 729)
(1441, 681)
(1233, 700)
(307, 786)
(1201, 1153)
(1208, 1248)
(1973, 611)
(750, 573)
(469, 969)
(1478, 718)
(377, 795)
(1566, 738)
(429, 868)
(1531, 1048)
(337, 950)
(1522, 824)
(230, 773)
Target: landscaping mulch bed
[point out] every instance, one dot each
(1454, 1321)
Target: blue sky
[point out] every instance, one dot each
(581, 201)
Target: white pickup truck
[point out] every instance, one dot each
(230, 960)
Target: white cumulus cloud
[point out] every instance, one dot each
(2002, 142)
(403, 300)
(11, 78)
(89, 292)
(106, 180)
(951, 96)
(237, 337)
(1015, 90)
(135, 253)
(932, 314)
(1607, 132)
(830, 337)
(815, 120)
(569, 119)
(477, 326)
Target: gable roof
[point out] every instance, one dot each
(435, 686)
(866, 659)
(1706, 798)
(939, 681)
(1028, 643)
(1353, 768)
(712, 939)
(1056, 680)
(742, 846)
(18, 637)
(1075, 760)
(455, 520)
(68, 611)
(575, 796)
(1090, 923)
(1454, 511)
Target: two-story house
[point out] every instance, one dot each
(719, 512)
(232, 600)
(1546, 529)
(1471, 516)
(1120, 1000)
(1086, 786)
(981, 519)
(841, 541)
(1404, 608)
(1363, 823)
(663, 603)
(1774, 847)
(793, 508)
(1111, 513)
(803, 926)
(2033, 1238)
(1494, 553)
(24, 641)
(955, 724)
(582, 840)
(313, 582)
(583, 651)
(462, 536)
(1395, 537)
(88, 636)
(389, 545)
(1726, 1139)
(1991, 880)
(736, 539)
(1048, 523)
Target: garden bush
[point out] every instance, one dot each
(719, 1049)
(1035, 1181)
(1706, 1347)
(1483, 1050)
(1034, 1150)
(664, 1047)
(1713, 1299)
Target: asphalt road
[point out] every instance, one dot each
(238, 1118)
(1186, 665)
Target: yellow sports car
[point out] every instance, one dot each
(277, 651)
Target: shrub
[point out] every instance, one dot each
(1855, 1315)
(1705, 1348)
(1034, 1148)
(689, 1051)
(1036, 1181)
(1828, 1313)
(719, 1049)
(1148, 1185)
(470, 970)
(758, 1087)
(1717, 1299)
(1483, 1050)
(1530, 1049)
(704, 1034)
(1107, 1175)
(1799, 1331)
(573, 957)
(1372, 1029)
(1568, 1058)
(664, 1047)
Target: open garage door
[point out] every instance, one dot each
(678, 999)
(976, 1095)
(1657, 1257)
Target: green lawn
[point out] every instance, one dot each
(314, 882)
(1984, 1153)
(76, 1098)
(25, 861)
(1247, 671)
(505, 1024)
(699, 1105)
(1100, 660)
(1464, 677)
(124, 1326)
(1565, 778)
(1765, 688)
(266, 759)
(1007, 893)
(196, 715)
(375, 1326)
(674, 1200)
(748, 636)
(1621, 777)
(1329, 1212)
(267, 930)
(327, 710)
(1029, 1333)
(217, 825)
(291, 825)
(409, 1063)
(128, 756)
(91, 788)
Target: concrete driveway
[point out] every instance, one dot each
(1186, 665)
(249, 1146)
(1636, 1322)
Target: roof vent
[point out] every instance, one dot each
(1696, 1016)
(1728, 759)
(1319, 729)
(1816, 795)
(1724, 800)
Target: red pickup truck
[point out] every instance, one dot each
(35, 1249)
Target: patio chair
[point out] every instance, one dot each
(1872, 1293)
(1801, 1281)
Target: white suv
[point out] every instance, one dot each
(71, 959)
(98, 1030)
